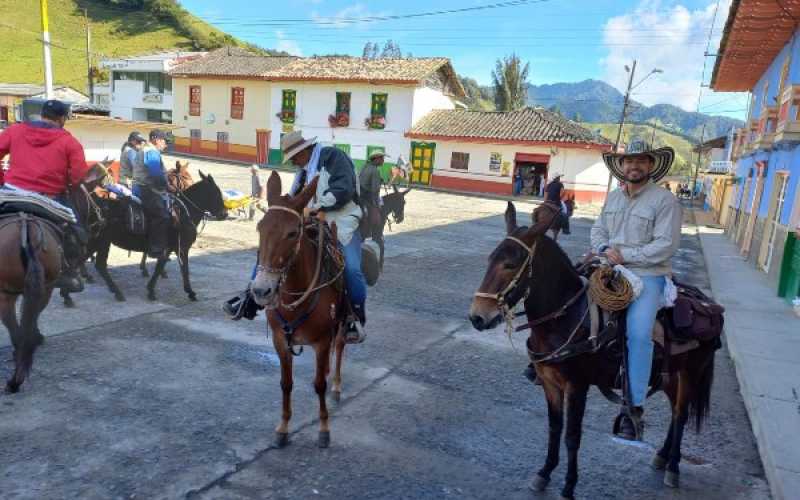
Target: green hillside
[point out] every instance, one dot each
(118, 27)
(684, 158)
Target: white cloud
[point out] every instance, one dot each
(340, 18)
(670, 37)
(286, 44)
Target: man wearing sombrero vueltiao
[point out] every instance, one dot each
(640, 228)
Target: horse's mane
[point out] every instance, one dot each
(554, 248)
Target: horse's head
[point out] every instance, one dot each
(207, 196)
(280, 233)
(510, 268)
(395, 203)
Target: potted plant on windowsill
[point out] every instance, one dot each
(286, 116)
(341, 119)
(375, 122)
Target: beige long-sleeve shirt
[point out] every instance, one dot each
(645, 228)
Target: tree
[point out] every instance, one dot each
(510, 80)
(391, 50)
(369, 51)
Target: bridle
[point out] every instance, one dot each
(502, 296)
(285, 269)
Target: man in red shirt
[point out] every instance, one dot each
(48, 160)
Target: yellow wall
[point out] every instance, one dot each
(215, 99)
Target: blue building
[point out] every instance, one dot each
(764, 59)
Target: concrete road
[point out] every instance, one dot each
(168, 399)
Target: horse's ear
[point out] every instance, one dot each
(202, 175)
(273, 187)
(301, 199)
(511, 218)
(394, 187)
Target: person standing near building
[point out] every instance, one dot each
(258, 190)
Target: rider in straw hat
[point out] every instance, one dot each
(336, 201)
(640, 228)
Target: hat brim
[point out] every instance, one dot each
(662, 158)
(376, 155)
(291, 152)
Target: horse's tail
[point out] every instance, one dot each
(701, 373)
(34, 290)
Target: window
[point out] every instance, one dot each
(377, 117)
(237, 103)
(194, 100)
(288, 106)
(342, 116)
(764, 95)
(154, 83)
(495, 162)
(159, 116)
(167, 84)
(459, 161)
(345, 148)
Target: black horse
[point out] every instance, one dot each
(394, 205)
(108, 226)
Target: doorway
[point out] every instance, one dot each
(422, 156)
(222, 144)
(195, 141)
(262, 146)
(776, 207)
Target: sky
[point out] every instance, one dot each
(563, 40)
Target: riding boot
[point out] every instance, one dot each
(69, 281)
(530, 374)
(355, 333)
(565, 225)
(74, 241)
(630, 426)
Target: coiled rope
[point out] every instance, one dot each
(610, 290)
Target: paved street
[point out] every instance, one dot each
(169, 399)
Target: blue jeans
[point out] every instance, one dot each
(354, 279)
(641, 318)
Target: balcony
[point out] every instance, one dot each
(720, 167)
(788, 126)
(765, 128)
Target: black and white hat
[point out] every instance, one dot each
(662, 158)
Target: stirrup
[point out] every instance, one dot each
(241, 306)
(635, 420)
(354, 334)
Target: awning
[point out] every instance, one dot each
(532, 158)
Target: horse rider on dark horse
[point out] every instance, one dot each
(150, 185)
(336, 201)
(553, 193)
(640, 228)
(370, 182)
(48, 160)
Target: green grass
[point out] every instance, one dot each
(684, 158)
(116, 32)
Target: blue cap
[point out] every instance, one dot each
(55, 109)
(157, 134)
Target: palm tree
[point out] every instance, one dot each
(510, 83)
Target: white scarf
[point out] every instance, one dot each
(311, 169)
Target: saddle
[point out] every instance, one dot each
(13, 200)
(332, 259)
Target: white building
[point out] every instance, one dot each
(141, 88)
(483, 151)
(236, 105)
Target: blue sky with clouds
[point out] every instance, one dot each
(563, 40)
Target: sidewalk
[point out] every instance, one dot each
(763, 337)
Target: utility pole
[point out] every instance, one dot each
(48, 63)
(697, 167)
(89, 75)
(622, 119)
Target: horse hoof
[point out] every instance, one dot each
(658, 463)
(193, 296)
(151, 296)
(119, 297)
(336, 396)
(145, 274)
(12, 387)
(538, 483)
(672, 479)
(281, 439)
(69, 303)
(324, 439)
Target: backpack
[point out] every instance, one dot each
(695, 316)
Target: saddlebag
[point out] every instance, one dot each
(695, 315)
(134, 219)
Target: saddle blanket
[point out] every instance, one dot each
(123, 191)
(11, 196)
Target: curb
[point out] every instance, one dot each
(767, 460)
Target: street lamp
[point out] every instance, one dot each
(631, 86)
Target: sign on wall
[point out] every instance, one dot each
(506, 169)
(153, 98)
(495, 162)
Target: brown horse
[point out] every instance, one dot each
(529, 266)
(30, 250)
(300, 309)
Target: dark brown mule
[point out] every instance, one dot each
(30, 250)
(529, 264)
(392, 211)
(301, 310)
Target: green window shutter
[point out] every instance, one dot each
(289, 100)
(379, 104)
(342, 102)
(345, 148)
